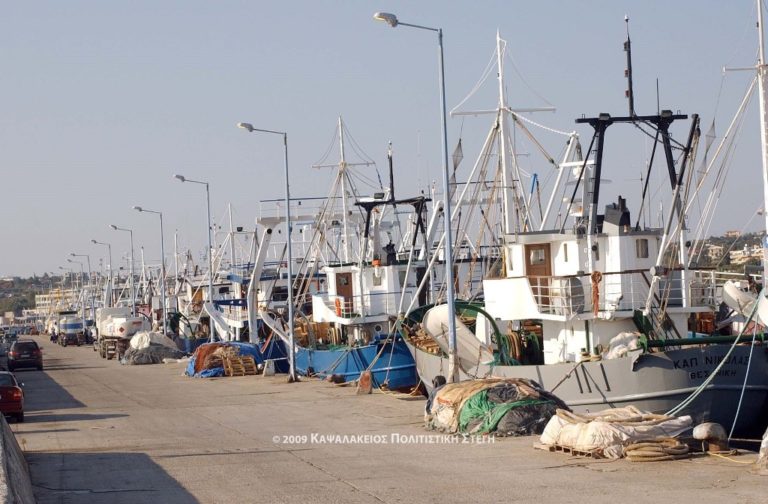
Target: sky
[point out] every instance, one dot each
(103, 102)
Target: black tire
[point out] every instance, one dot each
(40, 367)
(19, 417)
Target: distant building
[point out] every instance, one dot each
(714, 252)
(732, 234)
(745, 254)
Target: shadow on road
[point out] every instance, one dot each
(116, 478)
(41, 392)
(69, 417)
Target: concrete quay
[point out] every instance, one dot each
(96, 431)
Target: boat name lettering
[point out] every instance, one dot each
(704, 373)
(693, 362)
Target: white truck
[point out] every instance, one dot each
(71, 329)
(115, 326)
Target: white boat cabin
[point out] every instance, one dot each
(585, 289)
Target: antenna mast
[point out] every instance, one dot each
(629, 93)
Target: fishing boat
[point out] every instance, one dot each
(595, 307)
(344, 323)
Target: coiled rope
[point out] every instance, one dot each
(656, 450)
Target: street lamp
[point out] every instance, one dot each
(133, 290)
(291, 352)
(392, 21)
(182, 178)
(109, 266)
(162, 260)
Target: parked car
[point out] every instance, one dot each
(25, 353)
(7, 340)
(11, 396)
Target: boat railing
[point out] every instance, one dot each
(236, 313)
(374, 303)
(716, 279)
(622, 291)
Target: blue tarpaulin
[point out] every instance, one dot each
(274, 349)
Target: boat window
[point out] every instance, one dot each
(537, 256)
(377, 279)
(280, 294)
(565, 252)
(641, 246)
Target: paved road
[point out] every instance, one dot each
(97, 431)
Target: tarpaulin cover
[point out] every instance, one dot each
(197, 368)
(143, 339)
(605, 433)
(153, 354)
(510, 407)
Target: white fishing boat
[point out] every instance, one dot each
(596, 308)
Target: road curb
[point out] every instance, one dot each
(15, 485)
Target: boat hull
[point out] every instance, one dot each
(393, 367)
(655, 382)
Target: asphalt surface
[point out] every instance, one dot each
(96, 431)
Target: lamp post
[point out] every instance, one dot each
(109, 266)
(162, 260)
(133, 289)
(182, 178)
(291, 352)
(392, 21)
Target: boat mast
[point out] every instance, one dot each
(761, 76)
(232, 261)
(343, 175)
(506, 203)
(511, 199)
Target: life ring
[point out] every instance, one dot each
(338, 307)
(596, 277)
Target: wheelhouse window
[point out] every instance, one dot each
(641, 247)
(537, 256)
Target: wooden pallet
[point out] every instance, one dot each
(233, 366)
(568, 450)
(239, 366)
(249, 365)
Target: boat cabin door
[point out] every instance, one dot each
(538, 269)
(344, 290)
